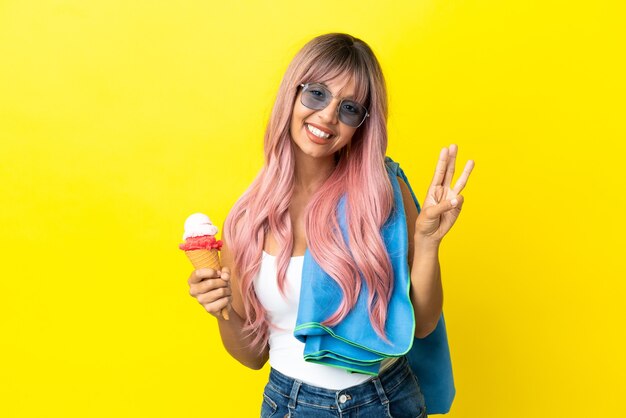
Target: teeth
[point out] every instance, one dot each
(317, 132)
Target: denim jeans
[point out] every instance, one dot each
(394, 393)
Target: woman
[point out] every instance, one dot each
(326, 141)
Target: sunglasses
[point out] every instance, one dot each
(316, 96)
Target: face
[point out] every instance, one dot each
(319, 133)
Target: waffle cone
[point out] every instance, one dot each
(206, 259)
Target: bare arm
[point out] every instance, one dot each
(236, 343)
(440, 211)
(216, 290)
(426, 288)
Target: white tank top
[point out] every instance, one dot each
(286, 352)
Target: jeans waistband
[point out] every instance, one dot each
(366, 392)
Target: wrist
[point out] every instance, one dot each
(424, 244)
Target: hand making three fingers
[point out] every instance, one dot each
(442, 205)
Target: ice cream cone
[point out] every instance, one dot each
(200, 245)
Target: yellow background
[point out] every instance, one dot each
(119, 118)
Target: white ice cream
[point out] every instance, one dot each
(198, 225)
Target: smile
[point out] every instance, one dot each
(317, 132)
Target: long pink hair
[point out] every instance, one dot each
(360, 174)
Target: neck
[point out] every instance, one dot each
(311, 172)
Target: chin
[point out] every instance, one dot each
(314, 153)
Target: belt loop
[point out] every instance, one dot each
(380, 390)
(293, 396)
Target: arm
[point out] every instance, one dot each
(440, 211)
(215, 290)
(236, 342)
(426, 288)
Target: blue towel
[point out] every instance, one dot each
(353, 344)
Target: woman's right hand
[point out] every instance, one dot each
(211, 288)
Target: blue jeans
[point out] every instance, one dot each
(394, 393)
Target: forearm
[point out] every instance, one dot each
(426, 287)
(238, 343)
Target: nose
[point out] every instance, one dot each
(329, 113)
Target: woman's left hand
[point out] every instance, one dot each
(442, 205)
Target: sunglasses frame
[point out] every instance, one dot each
(306, 85)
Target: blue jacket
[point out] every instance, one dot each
(353, 344)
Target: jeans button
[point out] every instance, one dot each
(343, 399)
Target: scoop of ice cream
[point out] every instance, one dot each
(198, 225)
(205, 242)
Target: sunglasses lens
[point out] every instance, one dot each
(351, 113)
(317, 97)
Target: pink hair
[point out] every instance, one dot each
(360, 174)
